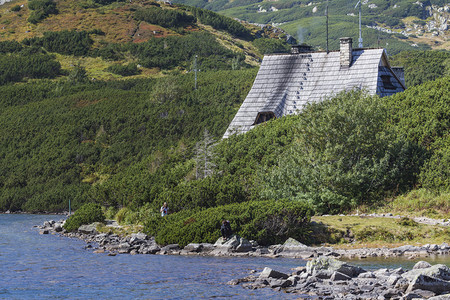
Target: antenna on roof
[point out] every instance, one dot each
(326, 14)
(360, 44)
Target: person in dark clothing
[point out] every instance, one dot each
(225, 229)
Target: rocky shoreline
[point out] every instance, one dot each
(328, 278)
(324, 277)
(140, 243)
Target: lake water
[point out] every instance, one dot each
(34, 266)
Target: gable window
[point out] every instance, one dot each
(264, 117)
(387, 84)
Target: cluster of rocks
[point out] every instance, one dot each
(328, 278)
(140, 243)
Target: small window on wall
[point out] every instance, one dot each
(387, 84)
(264, 117)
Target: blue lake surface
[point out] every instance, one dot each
(34, 266)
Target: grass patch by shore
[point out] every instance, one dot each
(352, 231)
(419, 203)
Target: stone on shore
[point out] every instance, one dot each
(439, 271)
(421, 265)
(269, 273)
(328, 265)
(89, 229)
(428, 283)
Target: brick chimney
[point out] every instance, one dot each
(346, 52)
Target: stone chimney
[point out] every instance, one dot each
(346, 52)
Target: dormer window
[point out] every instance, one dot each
(387, 84)
(264, 117)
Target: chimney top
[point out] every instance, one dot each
(346, 52)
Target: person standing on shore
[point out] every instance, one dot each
(164, 209)
(225, 229)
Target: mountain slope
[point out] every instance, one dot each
(399, 25)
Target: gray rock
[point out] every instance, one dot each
(171, 247)
(421, 265)
(366, 275)
(153, 249)
(193, 247)
(339, 276)
(440, 297)
(44, 231)
(293, 242)
(269, 273)
(58, 227)
(331, 264)
(439, 271)
(244, 246)
(406, 248)
(124, 248)
(392, 280)
(89, 229)
(444, 246)
(424, 293)
(424, 282)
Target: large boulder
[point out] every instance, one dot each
(438, 271)
(233, 244)
(424, 282)
(89, 229)
(269, 273)
(329, 265)
(421, 265)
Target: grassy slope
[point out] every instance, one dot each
(116, 21)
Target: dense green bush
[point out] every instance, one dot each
(124, 70)
(169, 18)
(10, 47)
(422, 66)
(16, 67)
(267, 222)
(67, 42)
(87, 214)
(16, 8)
(220, 22)
(41, 9)
(269, 46)
(344, 156)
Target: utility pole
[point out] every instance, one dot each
(326, 14)
(360, 41)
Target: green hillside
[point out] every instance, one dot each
(92, 114)
(397, 26)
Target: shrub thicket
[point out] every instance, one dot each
(124, 70)
(344, 156)
(220, 22)
(86, 214)
(66, 42)
(169, 18)
(41, 9)
(267, 222)
(269, 46)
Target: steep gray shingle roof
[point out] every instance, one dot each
(286, 82)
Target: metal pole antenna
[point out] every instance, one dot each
(326, 13)
(360, 44)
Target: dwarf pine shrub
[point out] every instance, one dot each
(86, 214)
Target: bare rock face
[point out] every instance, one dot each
(421, 265)
(439, 271)
(269, 273)
(326, 264)
(424, 282)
